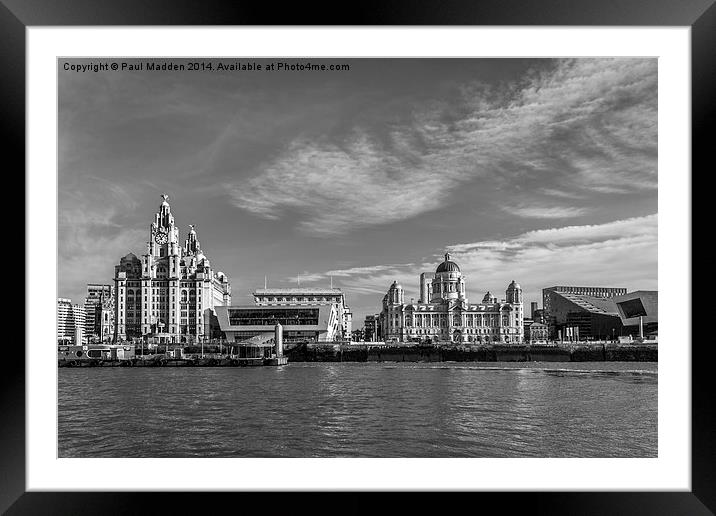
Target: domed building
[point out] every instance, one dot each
(167, 295)
(443, 312)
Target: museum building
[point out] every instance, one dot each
(443, 312)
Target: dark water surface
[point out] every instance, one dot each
(598, 409)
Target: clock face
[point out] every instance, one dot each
(161, 236)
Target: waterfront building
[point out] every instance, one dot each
(308, 296)
(597, 292)
(65, 321)
(97, 296)
(535, 331)
(555, 309)
(167, 295)
(640, 309)
(585, 317)
(71, 321)
(105, 315)
(371, 328)
(443, 312)
(301, 323)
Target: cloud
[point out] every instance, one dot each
(587, 125)
(352, 272)
(555, 192)
(621, 253)
(546, 212)
(93, 235)
(336, 188)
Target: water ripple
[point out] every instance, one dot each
(362, 410)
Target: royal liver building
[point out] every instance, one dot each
(169, 294)
(443, 312)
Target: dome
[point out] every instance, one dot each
(447, 265)
(489, 298)
(514, 286)
(396, 285)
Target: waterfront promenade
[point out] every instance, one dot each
(372, 352)
(573, 352)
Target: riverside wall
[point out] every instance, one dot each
(334, 352)
(482, 353)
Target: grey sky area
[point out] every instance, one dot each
(538, 170)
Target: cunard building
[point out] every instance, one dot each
(169, 294)
(443, 312)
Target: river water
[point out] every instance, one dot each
(598, 409)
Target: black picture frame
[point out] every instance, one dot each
(700, 15)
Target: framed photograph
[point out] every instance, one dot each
(440, 233)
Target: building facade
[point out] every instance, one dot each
(371, 328)
(583, 317)
(640, 309)
(555, 309)
(443, 312)
(71, 322)
(599, 292)
(308, 323)
(309, 297)
(535, 331)
(97, 297)
(167, 294)
(105, 314)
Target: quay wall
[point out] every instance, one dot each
(322, 352)
(484, 353)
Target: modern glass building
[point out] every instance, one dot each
(300, 323)
(307, 296)
(640, 304)
(588, 317)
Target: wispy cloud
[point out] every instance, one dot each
(620, 253)
(93, 235)
(546, 212)
(585, 125)
(555, 192)
(335, 188)
(350, 272)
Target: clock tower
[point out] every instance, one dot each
(169, 294)
(160, 274)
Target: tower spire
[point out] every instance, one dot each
(192, 245)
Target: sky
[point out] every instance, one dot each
(539, 170)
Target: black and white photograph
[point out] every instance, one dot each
(359, 257)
